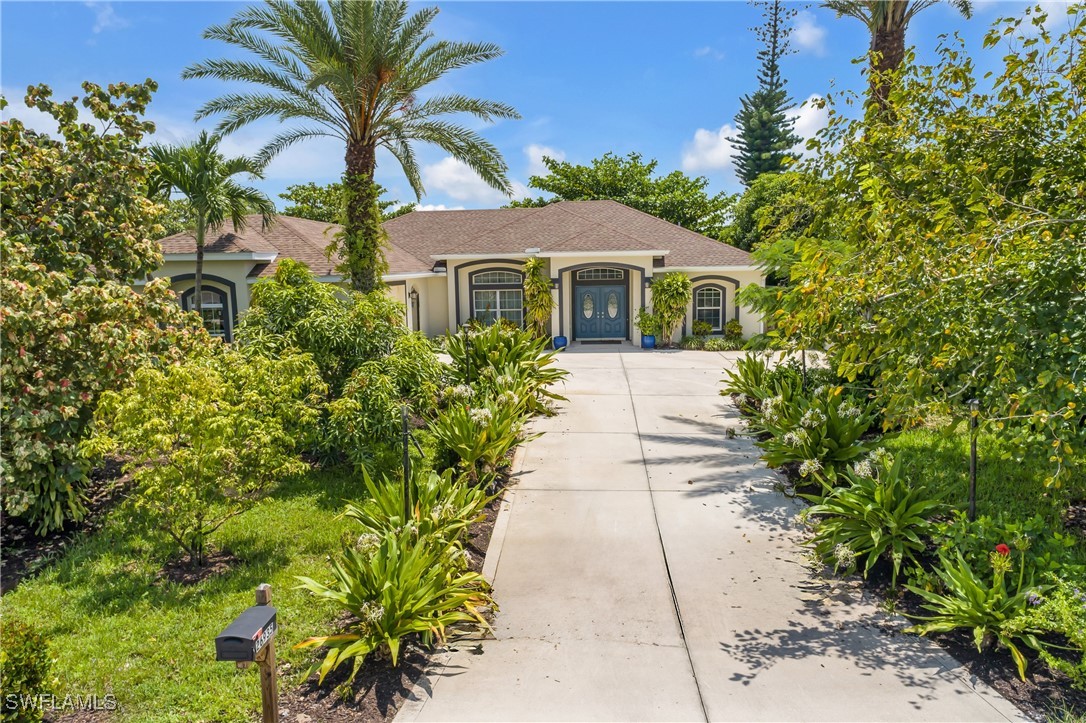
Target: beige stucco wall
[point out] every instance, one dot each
(438, 303)
(733, 281)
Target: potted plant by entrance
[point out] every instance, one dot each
(560, 342)
(649, 324)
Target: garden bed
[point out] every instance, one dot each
(22, 552)
(378, 690)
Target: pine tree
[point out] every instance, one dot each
(765, 131)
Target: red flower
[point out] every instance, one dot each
(1003, 549)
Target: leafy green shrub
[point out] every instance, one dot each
(341, 329)
(670, 297)
(733, 330)
(538, 302)
(749, 379)
(504, 351)
(25, 668)
(723, 343)
(395, 585)
(989, 609)
(77, 231)
(821, 433)
(1044, 550)
(695, 343)
(442, 506)
(481, 436)
(877, 515)
(416, 371)
(205, 438)
(365, 422)
(702, 328)
(1062, 611)
(647, 322)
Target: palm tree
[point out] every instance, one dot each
(887, 20)
(205, 177)
(353, 70)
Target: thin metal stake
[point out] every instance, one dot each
(974, 413)
(406, 465)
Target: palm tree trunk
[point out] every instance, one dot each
(362, 231)
(888, 44)
(198, 291)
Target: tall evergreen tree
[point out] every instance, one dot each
(765, 131)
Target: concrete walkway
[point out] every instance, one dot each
(650, 572)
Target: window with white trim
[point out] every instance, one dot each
(498, 295)
(213, 309)
(709, 306)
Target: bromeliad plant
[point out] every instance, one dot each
(481, 435)
(878, 515)
(991, 610)
(395, 585)
(442, 506)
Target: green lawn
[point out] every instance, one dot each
(113, 629)
(1012, 486)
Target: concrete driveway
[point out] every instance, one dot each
(650, 572)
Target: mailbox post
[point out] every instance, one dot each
(251, 639)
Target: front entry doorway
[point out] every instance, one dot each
(600, 312)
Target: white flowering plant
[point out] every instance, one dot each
(876, 516)
(399, 587)
(480, 435)
(822, 433)
(442, 507)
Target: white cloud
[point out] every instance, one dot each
(808, 34)
(437, 207)
(810, 117)
(535, 153)
(459, 182)
(708, 51)
(710, 150)
(106, 17)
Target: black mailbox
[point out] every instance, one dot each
(249, 632)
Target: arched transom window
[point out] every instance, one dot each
(600, 275)
(497, 294)
(709, 306)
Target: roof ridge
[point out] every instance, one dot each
(604, 223)
(523, 217)
(686, 230)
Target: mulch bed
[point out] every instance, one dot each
(183, 571)
(23, 553)
(378, 690)
(1043, 691)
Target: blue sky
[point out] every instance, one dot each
(662, 79)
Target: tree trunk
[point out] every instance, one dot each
(201, 232)
(363, 235)
(888, 45)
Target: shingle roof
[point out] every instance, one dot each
(416, 238)
(567, 226)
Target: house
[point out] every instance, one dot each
(450, 266)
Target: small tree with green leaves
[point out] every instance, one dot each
(538, 302)
(204, 439)
(670, 298)
(76, 232)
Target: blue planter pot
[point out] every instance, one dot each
(560, 342)
(648, 341)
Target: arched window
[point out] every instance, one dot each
(497, 294)
(214, 309)
(601, 275)
(709, 306)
